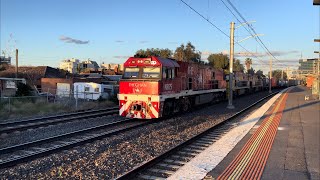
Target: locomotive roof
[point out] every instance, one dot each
(168, 62)
(155, 61)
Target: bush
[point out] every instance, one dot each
(23, 90)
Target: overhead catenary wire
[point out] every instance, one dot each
(257, 38)
(219, 29)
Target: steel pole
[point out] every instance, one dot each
(270, 75)
(230, 105)
(318, 64)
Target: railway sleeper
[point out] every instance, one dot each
(144, 176)
(189, 154)
(168, 166)
(197, 147)
(208, 139)
(212, 136)
(201, 144)
(209, 142)
(161, 172)
(191, 150)
(182, 157)
(174, 162)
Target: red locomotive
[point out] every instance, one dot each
(155, 87)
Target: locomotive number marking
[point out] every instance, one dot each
(168, 87)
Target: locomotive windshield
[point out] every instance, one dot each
(142, 73)
(131, 73)
(151, 72)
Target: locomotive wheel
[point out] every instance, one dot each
(177, 106)
(185, 104)
(167, 109)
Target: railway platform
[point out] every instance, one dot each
(280, 140)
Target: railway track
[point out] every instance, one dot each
(13, 155)
(166, 164)
(9, 127)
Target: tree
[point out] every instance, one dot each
(237, 66)
(277, 74)
(251, 71)
(248, 62)
(219, 61)
(179, 53)
(187, 53)
(260, 73)
(3, 66)
(164, 53)
(23, 90)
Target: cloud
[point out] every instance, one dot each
(143, 42)
(71, 40)
(206, 53)
(119, 41)
(121, 57)
(260, 54)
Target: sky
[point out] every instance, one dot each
(110, 31)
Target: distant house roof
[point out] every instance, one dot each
(33, 72)
(113, 77)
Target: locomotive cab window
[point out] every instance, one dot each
(151, 72)
(131, 72)
(164, 73)
(168, 73)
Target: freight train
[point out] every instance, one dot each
(156, 87)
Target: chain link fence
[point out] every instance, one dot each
(48, 103)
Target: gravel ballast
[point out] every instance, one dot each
(110, 157)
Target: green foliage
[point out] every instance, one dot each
(3, 66)
(277, 74)
(251, 71)
(164, 53)
(187, 53)
(248, 62)
(260, 73)
(23, 90)
(237, 66)
(219, 61)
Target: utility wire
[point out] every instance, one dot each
(205, 19)
(252, 29)
(220, 29)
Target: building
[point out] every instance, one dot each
(8, 86)
(88, 64)
(6, 60)
(70, 65)
(112, 66)
(74, 66)
(33, 74)
(308, 66)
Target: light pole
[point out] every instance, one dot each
(232, 28)
(270, 76)
(230, 105)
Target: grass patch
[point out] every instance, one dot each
(39, 107)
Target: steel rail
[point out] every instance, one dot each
(50, 120)
(138, 169)
(73, 141)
